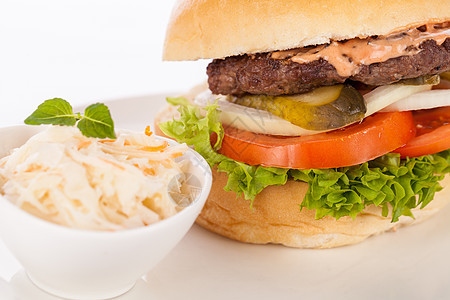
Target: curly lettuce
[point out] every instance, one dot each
(196, 129)
(388, 182)
(396, 185)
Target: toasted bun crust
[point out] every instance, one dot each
(220, 28)
(276, 217)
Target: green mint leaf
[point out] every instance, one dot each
(97, 122)
(54, 111)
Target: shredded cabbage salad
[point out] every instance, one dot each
(66, 178)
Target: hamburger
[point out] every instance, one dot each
(325, 122)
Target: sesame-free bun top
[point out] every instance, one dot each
(220, 28)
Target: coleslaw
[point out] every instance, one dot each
(87, 183)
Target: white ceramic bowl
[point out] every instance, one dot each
(82, 264)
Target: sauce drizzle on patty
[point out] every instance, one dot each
(348, 56)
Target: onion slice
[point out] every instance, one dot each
(423, 100)
(386, 95)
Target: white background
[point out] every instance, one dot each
(85, 51)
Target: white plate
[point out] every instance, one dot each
(412, 263)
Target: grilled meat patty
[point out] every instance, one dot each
(262, 74)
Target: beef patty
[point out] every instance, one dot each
(262, 74)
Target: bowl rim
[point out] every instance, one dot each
(198, 201)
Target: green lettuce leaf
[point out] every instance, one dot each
(196, 128)
(396, 185)
(389, 182)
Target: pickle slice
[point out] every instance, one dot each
(426, 79)
(321, 109)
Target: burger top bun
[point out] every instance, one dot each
(220, 28)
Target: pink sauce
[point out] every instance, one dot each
(348, 56)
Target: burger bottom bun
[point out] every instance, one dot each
(276, 217)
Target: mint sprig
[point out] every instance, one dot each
(96, 121)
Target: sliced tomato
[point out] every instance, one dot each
(376, 135)
(432, 133)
